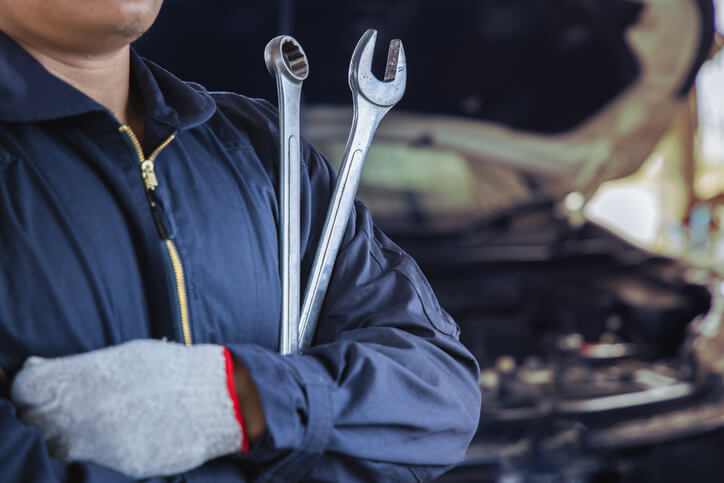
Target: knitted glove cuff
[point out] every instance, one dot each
(208, 399)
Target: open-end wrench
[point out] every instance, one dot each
(372, 100)
(287, 62)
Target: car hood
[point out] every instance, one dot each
(577, 97)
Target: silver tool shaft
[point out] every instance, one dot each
(372, 100)
(287, 62)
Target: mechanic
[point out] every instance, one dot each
(140, 284)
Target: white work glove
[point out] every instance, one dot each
(144, 408)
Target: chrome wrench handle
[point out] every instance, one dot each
(287, 62)
(336, 222)
(372, 100)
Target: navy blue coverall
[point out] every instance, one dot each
(90, 258)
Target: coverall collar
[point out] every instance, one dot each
(28, 92)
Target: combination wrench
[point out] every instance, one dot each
(372, 100)
(287, 62)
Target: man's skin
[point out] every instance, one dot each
(87, 45)
(4, 384)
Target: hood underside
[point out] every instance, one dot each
(579, 107)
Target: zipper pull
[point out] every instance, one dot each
(165, 225)
(149, 175)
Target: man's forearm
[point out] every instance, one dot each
(4, 384)
(249, 401)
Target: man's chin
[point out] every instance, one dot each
(128, 32)
(133, 18)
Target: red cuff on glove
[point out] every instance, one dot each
(235, 399)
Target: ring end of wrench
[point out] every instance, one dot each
(284, 55)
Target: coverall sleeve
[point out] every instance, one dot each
(387, 392)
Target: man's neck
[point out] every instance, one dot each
(105, 79)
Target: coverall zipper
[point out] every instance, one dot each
(151, 182)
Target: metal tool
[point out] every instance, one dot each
(372, 100)
(287, 62)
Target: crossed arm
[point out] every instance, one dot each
(392, 397)
(387, 392)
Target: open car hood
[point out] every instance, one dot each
(592, 110)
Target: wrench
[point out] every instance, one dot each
(372, 100)
(287, 62)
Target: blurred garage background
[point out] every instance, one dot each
(557, 169)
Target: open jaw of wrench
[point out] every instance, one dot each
(287, 62)
(372, 100)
